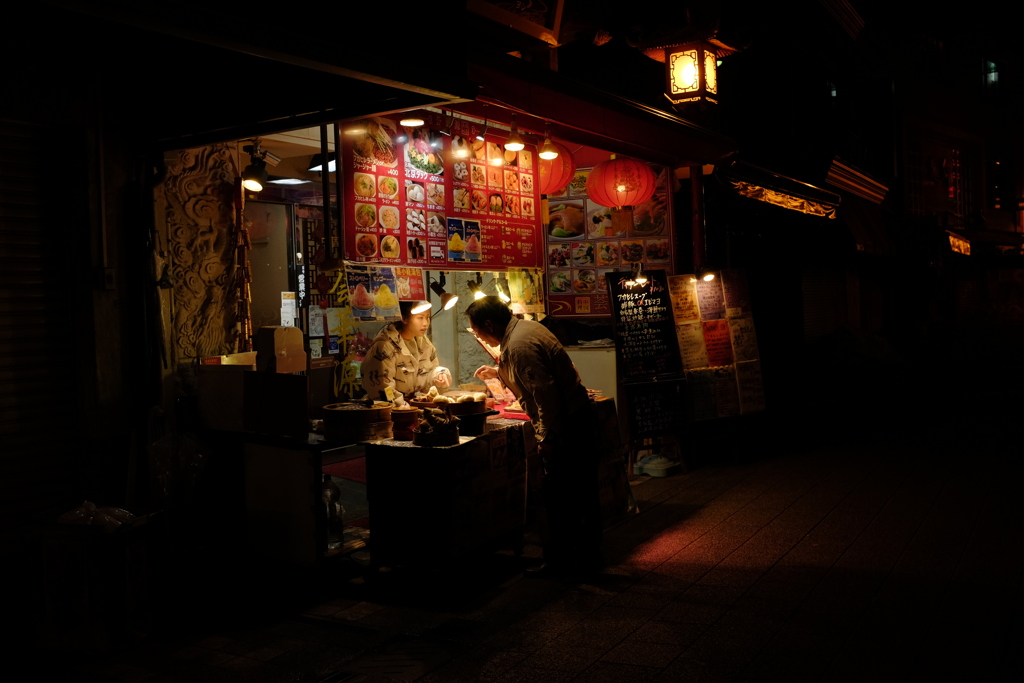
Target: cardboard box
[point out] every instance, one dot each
(280, 349)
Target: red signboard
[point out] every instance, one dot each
(436, 197)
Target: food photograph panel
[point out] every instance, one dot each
(601, 240)
(412, 191)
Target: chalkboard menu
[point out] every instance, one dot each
(645, 326)
(656, 408)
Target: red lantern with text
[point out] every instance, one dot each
(621, 182)
(554, 174)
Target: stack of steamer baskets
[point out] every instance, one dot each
(472, 414)
(404, 420)
(355, 421)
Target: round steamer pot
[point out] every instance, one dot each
(404, 420)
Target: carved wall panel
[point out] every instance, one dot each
(195, 216)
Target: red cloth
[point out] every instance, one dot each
(353, 470)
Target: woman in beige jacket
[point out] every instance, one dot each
(403, 359)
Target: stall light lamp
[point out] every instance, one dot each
(255, 174)
(514, 143)
(637, 277)
(480, 135)
(703, 274)
(548, 150)
(447, 300)
(502, 290)
(420, 307)
(412, 122)
(476, 287)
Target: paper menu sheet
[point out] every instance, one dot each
(498, 390)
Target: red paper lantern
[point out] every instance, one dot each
(621, 182)
(554, 174)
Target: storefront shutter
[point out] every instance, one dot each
(824, 302)
(36, 460)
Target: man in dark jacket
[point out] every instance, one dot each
(533, 364)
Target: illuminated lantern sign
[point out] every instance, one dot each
(691, 73)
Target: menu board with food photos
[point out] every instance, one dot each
(583, 244)
(442, 196)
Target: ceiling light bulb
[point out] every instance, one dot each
(514, 143)
(548, 149)
(316, 163)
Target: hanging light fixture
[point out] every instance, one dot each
(548, 150)
(514, 143)
(412, 121)
(691, 73)
(255, 174)
(447, 300)
(420, 307)
(621, 182)
(477, 287)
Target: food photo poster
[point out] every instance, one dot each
(445, 195)
(583, 244)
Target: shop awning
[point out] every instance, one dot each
(763, 185)
(986, 242)
(572, 110)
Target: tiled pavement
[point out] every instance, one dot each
(845, 554)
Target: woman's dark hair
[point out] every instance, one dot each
(489, 309)
(405, 308)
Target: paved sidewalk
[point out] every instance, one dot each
(873, 554)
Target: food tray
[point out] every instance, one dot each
(457, 409)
